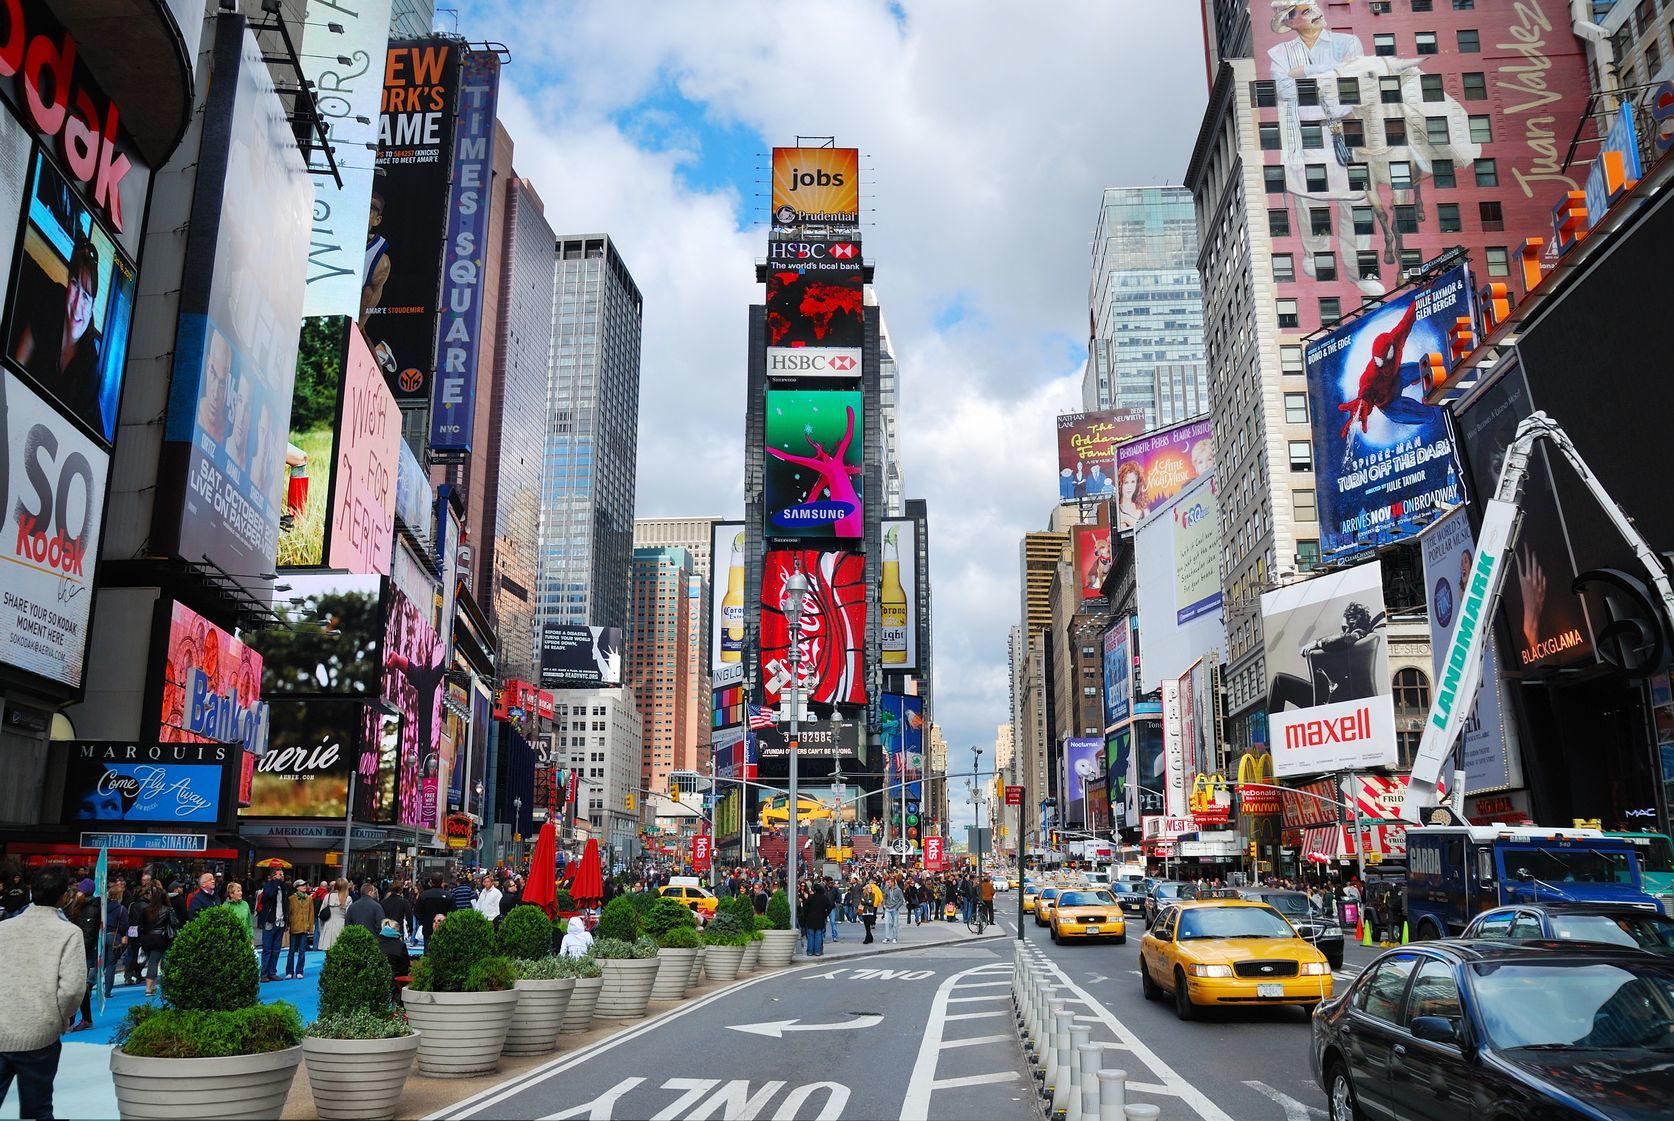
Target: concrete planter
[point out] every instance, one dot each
(462, 1032)
(358, 1078)
(627, 987)
(246, 1087)
(540, 1013)
(697, 967)
(675, 974)
(752, 954)
(584, 998)
(777, 946)
(721, 962)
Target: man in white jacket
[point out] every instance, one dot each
(488, 900)
(47, 967)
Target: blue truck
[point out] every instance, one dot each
(1456, 871)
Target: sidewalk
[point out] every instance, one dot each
(916, 936)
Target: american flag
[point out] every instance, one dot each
(761, 717)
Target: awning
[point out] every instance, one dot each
(1321, 843)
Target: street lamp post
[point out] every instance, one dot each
(976, 797)
(796, 591)
(517, 830)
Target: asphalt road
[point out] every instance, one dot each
(922, 1034)
(1239, 1064)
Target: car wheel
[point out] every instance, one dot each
(1121, 939)
(1055, 935)
(1147, 986)
(1339, 1095)
(1183, 1006)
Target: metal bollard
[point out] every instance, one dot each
(1088, 1056)
(1049, 1045)
(1063, 1087)
(1040, 1028)
(1113, 1094)
(1075, 1090)
(1141, 1112)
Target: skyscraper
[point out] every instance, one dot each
(889, 408)
(587, 500)
(657, 662)
(1145, 307)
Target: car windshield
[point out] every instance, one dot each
(1576, 1003)
(1642, 930)
(1232, 922)
(1085, 899)
(1175, 891)
(1049, 893)
(1578, 866)
(1288, 905)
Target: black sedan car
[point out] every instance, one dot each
(1131, 899)
(1161, 894)
(1496, 1031)
(1616, 923)
(1321, 929)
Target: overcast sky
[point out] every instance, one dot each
(987, 131)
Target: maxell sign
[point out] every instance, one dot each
(813, 361)
(1333, 737)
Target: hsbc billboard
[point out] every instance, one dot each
(815, 308)
(813, 361)
(808, 255)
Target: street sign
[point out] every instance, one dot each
(1014, 795)
(700, 851)
(934, 854)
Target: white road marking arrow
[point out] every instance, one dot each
(775, 1029)
(1294, 1110)
(1096, 979)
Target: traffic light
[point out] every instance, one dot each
(673, 791)
(630, 803)
(1254, 853)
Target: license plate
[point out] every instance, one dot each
(1273, 989)
(1091, 928)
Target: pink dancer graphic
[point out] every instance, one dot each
(834, 478)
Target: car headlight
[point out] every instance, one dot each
(1315, 968)
(1332, 931)
(1209, 970)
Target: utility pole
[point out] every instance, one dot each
(796, 591)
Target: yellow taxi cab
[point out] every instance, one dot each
(1229, 951)
(687, 891)
(1011, 883)
(1031, 893)
(1088, 912)
(1043, 903)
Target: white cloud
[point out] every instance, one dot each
(987, 132)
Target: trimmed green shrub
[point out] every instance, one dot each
(355, 977)
(611, 949)
(778, 910)
(620, 920)
(584, 967)
(563, 900)
(463, 939)
(713, 937)
(210, 966)
(359, 1025)
(550, 968)
(525, 934)
(725, 924)
(645, 946)
(679, 938)
(419, 978)
(665, 915)
(643, 901)
(763, 923)
(744, 909)
(490, 975)
(180, 1033)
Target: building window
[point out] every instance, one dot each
(1313, 134)
(1412, 689)
(1366, 265)
(1307, 92)
(1458, 6)
(1307, 555)
(1296, 408)
(1447, 216)
(1493, 217)
(1302, 501)
(1263, 94)
(1330, 310)
(1319, 220)
(1400, 175)
(1395, 131)
(1487, 173)
(1274, 180)
(1476, 85)
(1482, 129)
(1359, 177)
(1287, 313)
(1425, 41)
(1348, 91)
(1417, 6)
(1430, 87)
(1354, 133)
(1290, 359)
(1406, 219)
(1278, 223)
(1315, 177)
(1499, 261)
(1469, 42)
(1389, 90)
(1269, 137)
(1410, 260)
(1435, 130)
(1441, 173)
(1364, 220)
(1383, 44)
(1653, 56)
(1301, 455)
(1325, 266)
(1284, 268)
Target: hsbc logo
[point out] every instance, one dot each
(784, 251)
(801, 361)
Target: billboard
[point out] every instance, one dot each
(1092, 564)
(408, 212)
(580, 657)
(1177, 557)
(379, 766)
(414, 667)
(1149, 768)
(816, 185)
(898, 595)
(1118, 673)
(415, 501)
(1083, 759)
(212, 686)
(816, 739)
(831, 640)
(313, 750)
(1154, 468)
(726, 604)
(465, 253)
(223, 466)
(310, 452)
(72, 300)
(1329, 700)
(1087, 451)
(348, 83)
(52, 482)
(363, 482)
(811, 476)
(332, 644)
(1173, 786)
(901, 733)
(172, 783)
(815, 321)
(1199, 739)
(1383, 459)
(1490, 762)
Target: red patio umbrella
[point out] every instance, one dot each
(587, 883)
(542, 888)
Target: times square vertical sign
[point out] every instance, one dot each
(464, 256)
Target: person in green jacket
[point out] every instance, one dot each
(235, 900)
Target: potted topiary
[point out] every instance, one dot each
(211, 1049)
(745, 912)
(578, 1016)
(674, 927)
(544, 983)
(779, 940)
(723, 946)
(360, 1050)
(461, 997)
(629, 970)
